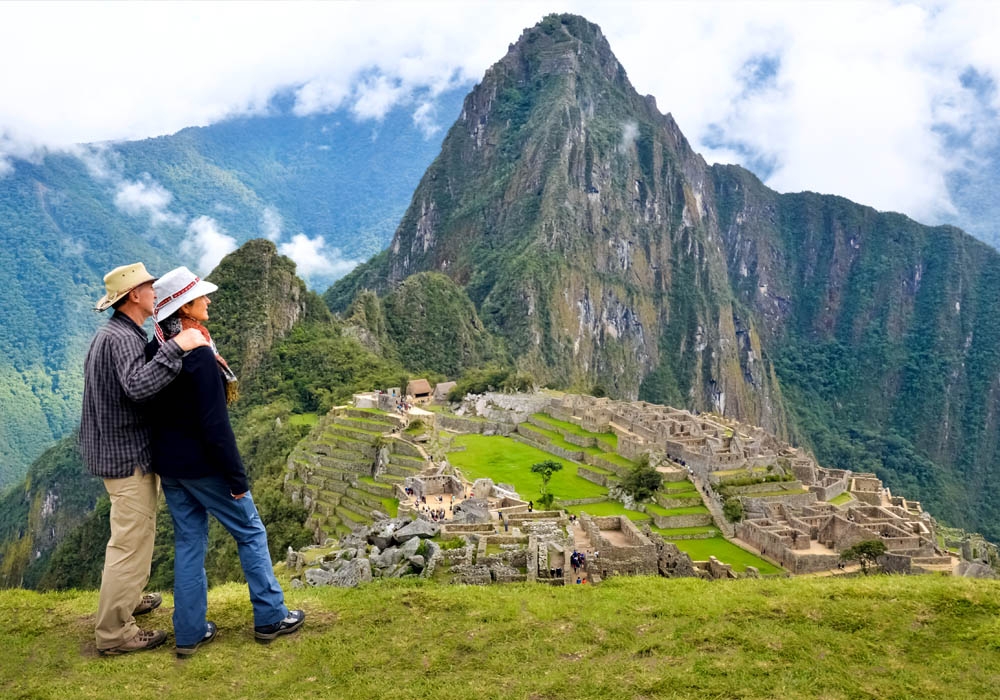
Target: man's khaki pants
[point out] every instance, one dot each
(128, 557)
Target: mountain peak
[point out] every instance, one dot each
(560, 44)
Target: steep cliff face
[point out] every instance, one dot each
(583, 227)
(889, 326)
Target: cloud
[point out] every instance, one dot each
(146, 196)
(863, 99)
(630, 132)
(206, 243)
(313, 259)
(270, 224)
(425, 119)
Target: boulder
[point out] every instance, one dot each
(417, 563)
(318, 577)
(352, 573)
(387, 558)
(409, 548)
(381, 534)
(418, 528)
(471, 512)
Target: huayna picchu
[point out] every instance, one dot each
(608, 255)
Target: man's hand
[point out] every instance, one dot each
(190, 339)
(238, 496)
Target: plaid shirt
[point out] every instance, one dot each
(114, 437)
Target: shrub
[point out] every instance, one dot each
(642, 481)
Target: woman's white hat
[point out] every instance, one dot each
(175, 289)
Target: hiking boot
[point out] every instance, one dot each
(149, 603)
(291, 623)
(185, 650)
(146, 639)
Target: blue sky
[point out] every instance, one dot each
(892, 104)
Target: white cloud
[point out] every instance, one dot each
(314, 259)
(270, 224)
(855, 104)
(425, 119)
(630, 131)
(146, 196)
(206, 243)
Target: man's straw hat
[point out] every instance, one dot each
(121, 281)
(175, 289)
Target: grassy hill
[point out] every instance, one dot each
(878, 637)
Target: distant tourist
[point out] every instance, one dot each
(194, 452)
(114, 444)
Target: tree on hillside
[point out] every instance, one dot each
(546, 469)
(865, 553)
(733, 509)
(642, 481)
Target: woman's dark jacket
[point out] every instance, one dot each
(189, 422)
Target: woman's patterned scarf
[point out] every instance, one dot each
(176, 323)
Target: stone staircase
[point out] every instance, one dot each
(334, 471)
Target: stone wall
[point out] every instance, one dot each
(672, 521)
(603, 463)
(593, 477)
(579, 501)
(526, 436)
(638, 558)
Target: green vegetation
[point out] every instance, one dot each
(843, 498)
(545, 470)
(628, 637)
(610, 439)
(608, 508)
(677, 486)
(733, 509)
(306, 419)
(726, 552)
(493, 378)
(642, 481)
(687, 510)
(670, 533)
(865, 553)
(507, 461)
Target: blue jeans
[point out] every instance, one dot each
(190, 501)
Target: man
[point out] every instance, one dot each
(114, 443)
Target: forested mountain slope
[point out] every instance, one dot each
(68, 219)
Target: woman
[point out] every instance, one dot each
(194, 452)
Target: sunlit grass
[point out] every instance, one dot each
(508, 461)
(629, 637)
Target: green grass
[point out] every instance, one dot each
(669, 532)
(689, 510)
(390, 506)
(843, 498)
(681, 494)
(608, 508)
(609, 439)
(303, 419)
(726, 552)
(678, 486)
(508, 461)
(779, 492)
(612, 457)
(629, 637)
(558, 440)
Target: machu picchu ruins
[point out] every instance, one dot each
(367, 470)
